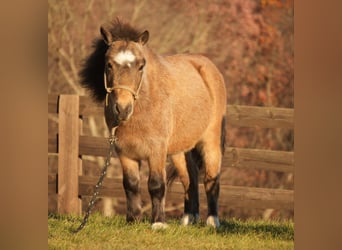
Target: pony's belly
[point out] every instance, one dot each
(175, 150)
(189, 134)
(182, 144)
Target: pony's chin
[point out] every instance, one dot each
(125, 118)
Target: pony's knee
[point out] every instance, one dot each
(131, 184)
(156, 186)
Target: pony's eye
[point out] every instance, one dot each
(109, 66)
(142, 65)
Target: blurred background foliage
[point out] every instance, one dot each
(250, 41)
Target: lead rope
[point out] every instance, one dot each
(112, 139)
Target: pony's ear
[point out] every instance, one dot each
(143, 37)
(106, 35)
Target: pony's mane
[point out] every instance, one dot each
(92, 68)
(121, 30)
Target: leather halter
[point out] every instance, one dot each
(135, 94)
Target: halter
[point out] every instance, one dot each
(135, 94)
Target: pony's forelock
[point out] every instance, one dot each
(121, 30)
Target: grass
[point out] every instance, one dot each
(113, 233)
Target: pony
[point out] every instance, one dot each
(157, 107)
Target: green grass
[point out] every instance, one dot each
(113, 233)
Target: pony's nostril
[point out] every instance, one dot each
(129, 109)
(117, 109)
(123, 112)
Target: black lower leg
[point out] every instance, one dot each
(191, 206)
(212, 187)
(193, 162)
(132, 190)
(157, 190)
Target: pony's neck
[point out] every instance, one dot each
(147, 83)
(152, 89)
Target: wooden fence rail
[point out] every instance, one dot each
(238, 115)
(70, 144)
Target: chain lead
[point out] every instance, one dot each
(112, 139)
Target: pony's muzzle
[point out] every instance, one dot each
(123, 112)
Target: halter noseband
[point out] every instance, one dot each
(135, 94)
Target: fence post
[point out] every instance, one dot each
(80, 164)
(68, 150)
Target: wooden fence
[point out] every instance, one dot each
(68, 185)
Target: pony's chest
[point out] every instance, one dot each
(132, 146)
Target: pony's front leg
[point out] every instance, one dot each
(157, 189)
(131, 181)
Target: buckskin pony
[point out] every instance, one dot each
(159, 106)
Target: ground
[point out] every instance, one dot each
(114, 233)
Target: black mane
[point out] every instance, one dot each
(123, 31)
(92, 69)
(91, 73)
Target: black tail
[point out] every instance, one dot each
(223, 134)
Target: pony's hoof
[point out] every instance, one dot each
(159, 226)
(213, 221)
(188, 219)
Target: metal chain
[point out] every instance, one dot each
(98, 185)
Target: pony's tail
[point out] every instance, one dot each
(223, 134)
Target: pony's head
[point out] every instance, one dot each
(124, 67)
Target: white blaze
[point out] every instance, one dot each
(124, 57)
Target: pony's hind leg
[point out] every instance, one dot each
(131, 183)
(211, 153)
(189, 179)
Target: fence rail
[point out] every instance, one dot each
(67, 141)
(238, 115)
(233, 157)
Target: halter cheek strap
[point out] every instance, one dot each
(135, 94)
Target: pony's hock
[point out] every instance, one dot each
(175, 92)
